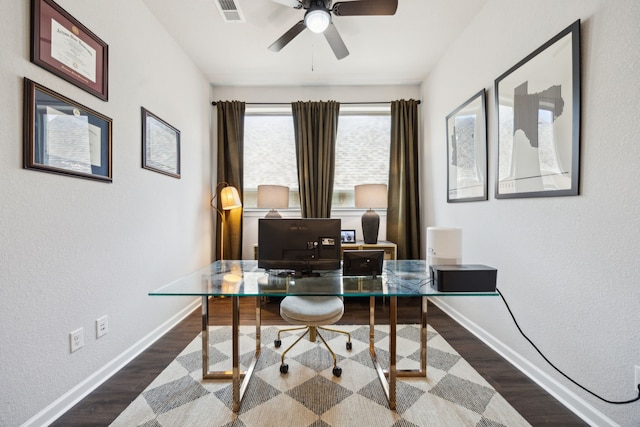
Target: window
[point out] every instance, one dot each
(362, 151)
(269, 154)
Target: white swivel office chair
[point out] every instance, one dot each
(312, 311)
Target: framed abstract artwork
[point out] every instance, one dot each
(65, 47)
(160, 145)
(64, 137)
(538, 109)
(467, 151)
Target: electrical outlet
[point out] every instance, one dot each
(637, 382)
(76, 340)
(102, 326)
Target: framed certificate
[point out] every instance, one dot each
(160, 145)
(65, 47)
(64, 137)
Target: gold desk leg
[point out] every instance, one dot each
(372, 323)
(258, 323)
(423, 335)
(235, 354)
(388, 378)
(238, 387)
(254, 361)
(393, 327)
(388, 385)
(422, 372)
(205, 336)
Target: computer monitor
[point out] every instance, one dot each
(362, 262)
(299, 245)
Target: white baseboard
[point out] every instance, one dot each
(65, 402)
(565, 396)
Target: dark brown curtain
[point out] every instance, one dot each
(403, 212)
(315, 127)
(230, 159)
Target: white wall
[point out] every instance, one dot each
(350, 217)
(73, 250)
(567, 266)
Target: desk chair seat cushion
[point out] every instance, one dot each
(312, 310)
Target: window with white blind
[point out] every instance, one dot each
(362, 151)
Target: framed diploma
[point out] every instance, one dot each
(64, 137)
(160, 145)
(65, 47)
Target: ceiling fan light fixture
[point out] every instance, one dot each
(317, 20)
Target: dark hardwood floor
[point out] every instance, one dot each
(102, 406)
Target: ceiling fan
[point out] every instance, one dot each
(317, 18)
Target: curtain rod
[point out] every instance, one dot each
(214, 103)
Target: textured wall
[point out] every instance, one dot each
(568, 266)
(73, 250)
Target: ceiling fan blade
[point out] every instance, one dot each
(335, 41)
(296, 4)
(365, 7)
(284, 40)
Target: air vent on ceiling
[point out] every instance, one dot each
(230, 11)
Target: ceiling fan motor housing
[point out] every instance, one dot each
(317, 18)
(325, 4)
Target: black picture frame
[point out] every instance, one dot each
(68, 49)
(538, 110)
(64, 137)
(467, 151)
(160, 145)
(347, 236)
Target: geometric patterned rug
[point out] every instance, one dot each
(453, 394)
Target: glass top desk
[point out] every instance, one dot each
(237, 279)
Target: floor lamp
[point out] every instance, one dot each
(229, 199)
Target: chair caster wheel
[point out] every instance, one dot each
(284, 369)
(337, 371)
(349, 346)
(277, 343)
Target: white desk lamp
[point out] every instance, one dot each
(273, 197)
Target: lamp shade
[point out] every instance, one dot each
(273, 196)
(229, 198)
(317, 20)
(372, 196)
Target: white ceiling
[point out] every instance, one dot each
(398, 49)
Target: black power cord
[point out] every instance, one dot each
(554, 367)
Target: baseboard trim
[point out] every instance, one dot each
(65, 402)
(565, 396)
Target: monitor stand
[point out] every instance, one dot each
(305, 273)
(294, 273)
